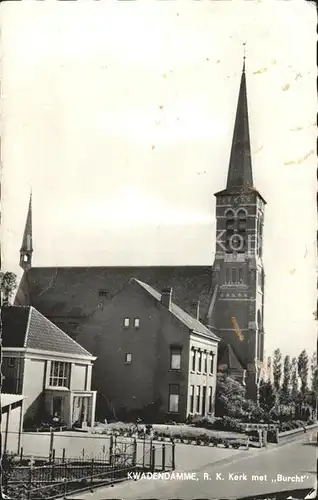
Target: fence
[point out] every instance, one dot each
(56, 477)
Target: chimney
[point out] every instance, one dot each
(166, 297)
(196, 310)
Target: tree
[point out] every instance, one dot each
(266, 396)
(285, 390)
(8, 284)
(277, 369)
(229, 396)
(303, 362)
(269, 369)
(314, 373)
(294, 379)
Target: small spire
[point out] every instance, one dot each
(26, 249)
(240, 167)
(244, 56)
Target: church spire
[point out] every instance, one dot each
(26, 247)
(240, 167)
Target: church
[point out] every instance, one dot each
(227, 296)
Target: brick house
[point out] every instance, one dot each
(46, 366)
(154, 359)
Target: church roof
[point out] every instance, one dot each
(229, 359)
(76, 292)
(190, 322)
(25, 327)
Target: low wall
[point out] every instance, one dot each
(311, 432)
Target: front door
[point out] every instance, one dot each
(57, 407)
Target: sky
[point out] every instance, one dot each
(119, 116)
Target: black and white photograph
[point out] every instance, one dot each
(158, 283)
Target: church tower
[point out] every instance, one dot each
(26, 249)
(236, 309)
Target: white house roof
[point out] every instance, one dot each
(9, 399)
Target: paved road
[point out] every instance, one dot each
(233, 479)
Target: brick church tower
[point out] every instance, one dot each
(237, 304)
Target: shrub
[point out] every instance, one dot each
(205, 422)
(228, 424)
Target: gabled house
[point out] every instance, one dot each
(154, 359)
(46, 366)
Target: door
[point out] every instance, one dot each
(57, 407)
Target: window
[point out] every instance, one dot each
(205, 363)
(174, 394)
(191, 398)
(103, 293)
(200, 362)
(211, 362)
(229, 220)
(136, 322)
(229, 226)
(234, 276)
(60, 374)
(11, 361)
(175, 358)
(210, 400)
(203, 399)
(260, 237)
(128, 358)
(241, 220)
(240, 275)
(227, 275)
(241, 226)
(198, 398)
(126, 322)
(193, 354)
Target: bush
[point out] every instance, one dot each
(199, 421)
(228, 424)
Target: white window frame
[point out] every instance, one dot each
(63, 377)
